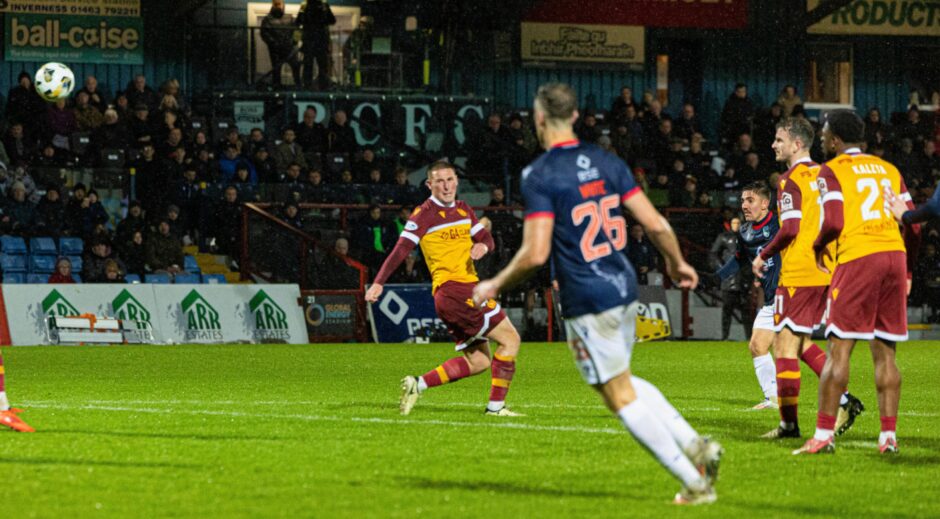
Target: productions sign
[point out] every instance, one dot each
(886, 17)
(583, 43)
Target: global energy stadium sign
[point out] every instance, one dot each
(73, 31)
(885, 17)
(578, 42)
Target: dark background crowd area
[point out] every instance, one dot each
(189, 179)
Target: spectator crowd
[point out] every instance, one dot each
(190, 182)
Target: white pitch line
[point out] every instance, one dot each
(321, 418)
(288, 403)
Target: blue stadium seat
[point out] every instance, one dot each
(42, 264)
(132, 278)
(159, 279)
(12, 245)
(42, 246)
(77, 278)
(37, 279)
(190, 265)
(13, 262)
(71, 246)
(14, 277)
(76, 263)
(187, 279)
(214, 279)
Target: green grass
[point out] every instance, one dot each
(314, 431)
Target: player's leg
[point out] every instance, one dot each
(787, 348)
(8, 416)
(645, 425)
(888, 383)
(602, 345)
(474, 359)
(704, 453)
(503, 366)
(890, 327)
(850, 407)
(809, 309)
(835, 377)
(762, 338)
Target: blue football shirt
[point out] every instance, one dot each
(583, 188)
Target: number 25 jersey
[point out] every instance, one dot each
(583, 187)
(859, 180)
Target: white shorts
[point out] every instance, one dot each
(765, 318)
(603, 343)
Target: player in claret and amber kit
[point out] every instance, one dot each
(451, 238)
(9, 415)
(800, 298)
(868, 295)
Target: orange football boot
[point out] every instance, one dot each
(11, 420)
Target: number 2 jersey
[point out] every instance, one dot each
(858, 180)
(583, 187)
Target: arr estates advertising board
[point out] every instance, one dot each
(177, 313)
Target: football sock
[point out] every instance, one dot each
(825, 424)
(681, 431)
(503, 367)
(4, 404)
(451, 371)
(652, 434)
(815, 358)
(888, 426)
(764, 367)
(844, 398)
(788, 389)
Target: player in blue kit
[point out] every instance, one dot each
(897, 204)
(757, 232)
(574, 194)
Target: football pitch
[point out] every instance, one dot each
(314, 431)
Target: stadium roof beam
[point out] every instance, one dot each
(824, 9)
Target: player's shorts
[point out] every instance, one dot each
(467, 322)
(603, 343)
(868, 298)
(764, 320)
(800, 309)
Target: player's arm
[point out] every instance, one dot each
(536, 239)
(406, 243)
(482, 239)
(536, 246)
(730, 268)
(833, 219)
(791, 216)
(911, 235)
(903, 210)
(662, 236)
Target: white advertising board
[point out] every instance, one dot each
(177, 313)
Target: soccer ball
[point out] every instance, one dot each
(54, 81)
